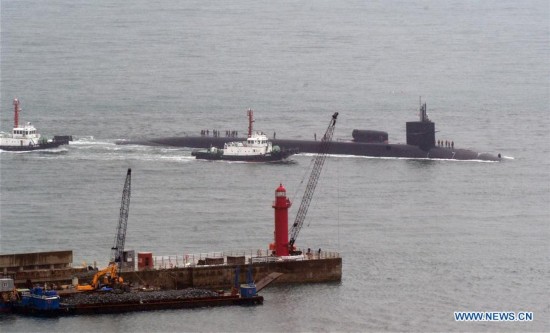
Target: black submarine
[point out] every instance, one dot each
(421, 143)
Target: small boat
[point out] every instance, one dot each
(37, 301)
(8, 295)
(256, 148)
(26, 137)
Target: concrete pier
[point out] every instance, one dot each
(39, 267)
(207, 271)
(313, 270)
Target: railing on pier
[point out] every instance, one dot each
(234, 257)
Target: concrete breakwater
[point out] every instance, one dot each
(328, 269)
(211, 271)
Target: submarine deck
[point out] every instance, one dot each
(336, 147)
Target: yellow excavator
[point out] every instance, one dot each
(105, 277)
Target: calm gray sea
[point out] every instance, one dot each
(419, 239)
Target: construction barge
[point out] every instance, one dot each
(163, 304)
(109, 293)
(49, 303)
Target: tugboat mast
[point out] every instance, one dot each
(16, 111)
(250, 114)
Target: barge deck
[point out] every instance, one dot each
(83, 303)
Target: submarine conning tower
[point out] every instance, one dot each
(421, 133)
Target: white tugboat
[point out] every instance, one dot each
(256, 148)
(26, 137)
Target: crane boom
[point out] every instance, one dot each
(312, 183)
(120, 237)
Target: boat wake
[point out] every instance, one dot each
(88, 148)
(109, 151)
(402, 158)
(87, 140)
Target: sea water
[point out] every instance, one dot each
(420, 239)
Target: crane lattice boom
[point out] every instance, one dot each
(120, 237)
(312, 183)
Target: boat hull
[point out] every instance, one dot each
(270, 157)
(121, 307)
(48, 145)
(58, 141)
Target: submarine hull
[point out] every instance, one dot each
(336, 148)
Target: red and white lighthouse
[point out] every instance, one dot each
(281, 205)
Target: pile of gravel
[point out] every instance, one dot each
(135, 296)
